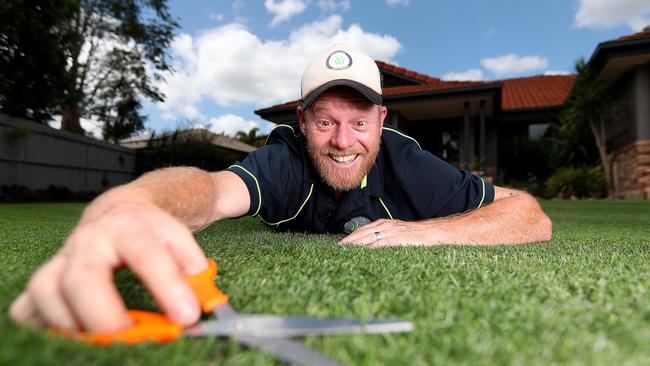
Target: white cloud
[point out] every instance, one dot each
(55, 122)
(556, 72)
(333, 5)
(284, 9)
(229, 65)
(190, 112)
(215, 16)
(397, 2)
(92, 128)
(183, 47)
(230, 124)
(471, 74)
(168, 116)
(141, 135)
(513, 64)
(634, 14)
(237, 5)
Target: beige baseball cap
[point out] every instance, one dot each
(341, 65)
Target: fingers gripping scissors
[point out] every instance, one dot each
(269, 333)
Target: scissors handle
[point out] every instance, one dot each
(204, 288)
(150, 326)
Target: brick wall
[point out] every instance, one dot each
(632, 170)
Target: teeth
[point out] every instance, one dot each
(343, 159)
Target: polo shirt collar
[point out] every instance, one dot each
(375, 180)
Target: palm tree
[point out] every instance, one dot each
(590, 104)
(251, 137)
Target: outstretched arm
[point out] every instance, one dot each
(144, 225)
(514, 217)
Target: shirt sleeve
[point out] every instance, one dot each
(450, 190)
(273, 178)
(434, 187)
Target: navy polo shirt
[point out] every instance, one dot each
(405, 183)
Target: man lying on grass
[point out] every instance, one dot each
(337, 166)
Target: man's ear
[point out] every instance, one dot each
(301, 119)
(383, 112)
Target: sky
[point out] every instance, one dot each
(233, 57)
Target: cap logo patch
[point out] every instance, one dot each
(339, 60)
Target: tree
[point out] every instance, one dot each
(122, 116)
(99, 58)
(185, 147)
(32, 61)
(112, 42)
(251, 137)
(588, 108)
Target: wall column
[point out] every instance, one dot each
(482, 132)
(465, 148)
(642, 102)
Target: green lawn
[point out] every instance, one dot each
(581, 299)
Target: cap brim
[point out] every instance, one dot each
(364, 90)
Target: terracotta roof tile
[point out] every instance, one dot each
(536, 91)
(643, 34)
(406, 72)
(520, 93)
(409, 89)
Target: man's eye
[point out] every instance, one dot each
(325, 123)
(361, 123)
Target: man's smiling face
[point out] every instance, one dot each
(343, 131)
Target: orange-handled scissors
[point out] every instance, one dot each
(267, 332)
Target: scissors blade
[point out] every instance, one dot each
(289, 351)
(225, 311)
(266, 326)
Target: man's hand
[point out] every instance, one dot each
(75, 290)
(514, 217)
(144, 225)
(384, 232)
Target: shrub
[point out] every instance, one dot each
(526, 160)
(16, 193)
(192, 147)
(580, 182)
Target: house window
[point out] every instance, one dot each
(537, 131)
(449, 148)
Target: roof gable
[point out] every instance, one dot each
(399, 76)
(645, 33)
(613, 58)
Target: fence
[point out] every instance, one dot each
(37, 156)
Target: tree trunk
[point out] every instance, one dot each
(606, 162)
(605, 159)
(70, 118)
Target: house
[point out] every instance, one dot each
(467, 123)
(473, 124)
(191, 147)
(624, 63)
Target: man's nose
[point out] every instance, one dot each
(343, 137)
